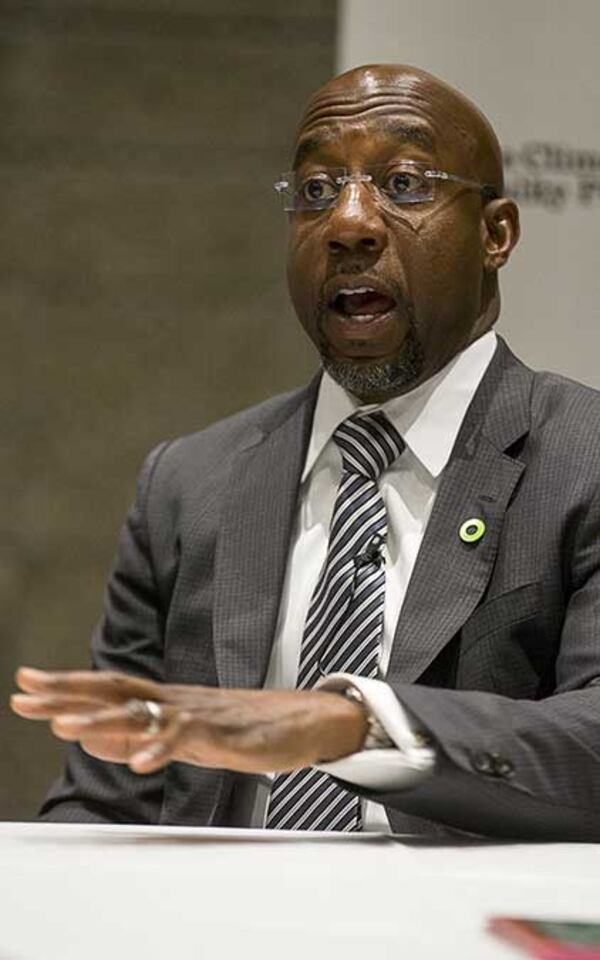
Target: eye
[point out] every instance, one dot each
(407, 186)
(316, 192)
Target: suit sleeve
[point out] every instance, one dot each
(128, 639)
(521, 769)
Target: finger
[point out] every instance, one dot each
(105, 747)
(155, 755)
(40, 707)
(113, 721)
(102, 685)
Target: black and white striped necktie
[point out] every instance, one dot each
(342, 633)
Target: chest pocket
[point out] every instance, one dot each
(505, 648)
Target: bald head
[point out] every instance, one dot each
(433, 111)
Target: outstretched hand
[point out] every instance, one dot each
(252, 731)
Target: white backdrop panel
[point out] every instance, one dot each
(533, 67)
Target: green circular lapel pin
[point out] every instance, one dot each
(472, 530)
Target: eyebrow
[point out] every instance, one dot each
(410, 132)
(413, 132)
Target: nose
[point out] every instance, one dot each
(355, 224)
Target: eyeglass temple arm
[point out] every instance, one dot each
(487, 189)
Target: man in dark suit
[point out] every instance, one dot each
(474, 702)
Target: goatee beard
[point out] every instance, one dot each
(373, 382)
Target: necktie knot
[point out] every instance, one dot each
(369, 443)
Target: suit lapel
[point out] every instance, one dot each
(253, 542)
(450, 576)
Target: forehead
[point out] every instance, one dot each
(404, 109)
(372, 133)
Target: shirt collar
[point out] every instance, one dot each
(428, 418)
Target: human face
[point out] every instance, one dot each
(420, 267)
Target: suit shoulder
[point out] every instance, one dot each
(213, 446)
(557, 383)
(568, 412)
(557, 394)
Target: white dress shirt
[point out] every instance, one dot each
(428, 419)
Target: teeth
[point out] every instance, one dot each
(351, 290)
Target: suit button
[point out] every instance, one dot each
(502, 766)
(491, 764)
(483, 763)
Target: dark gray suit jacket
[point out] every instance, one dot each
(497, 650)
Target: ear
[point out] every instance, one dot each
(500, 232)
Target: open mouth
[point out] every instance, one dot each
(362, 304)
(363, 318)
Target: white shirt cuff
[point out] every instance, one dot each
(387, 769)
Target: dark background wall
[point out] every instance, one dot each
(142, 293)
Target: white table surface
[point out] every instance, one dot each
(106, 893)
